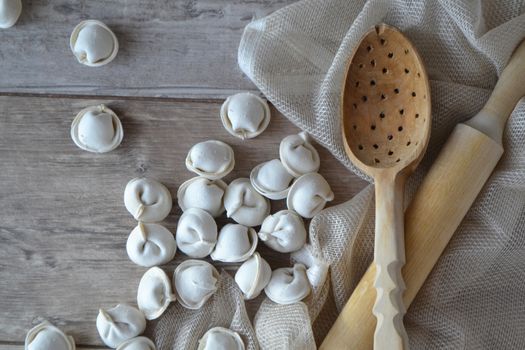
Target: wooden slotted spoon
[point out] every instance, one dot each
(386, 128)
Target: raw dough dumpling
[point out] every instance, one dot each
(150, 245)
(271, 179)
(309, 194)
(211, 159)
(196, 233)
(245, 115)
(147, 200)
(97, 129)
(220, 338)
(235, 243)
(298, 155)
(154, 294)
(93, 43)
(253, 275)
(288, 285)
(283, 231)
(244, 204)
(45, 336)
(195, 282)
(10, 10)
(119, 324)
(200, 192)
(138, 343)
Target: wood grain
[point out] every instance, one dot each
(179, 48)
(63, 225)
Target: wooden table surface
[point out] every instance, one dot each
(63, 225)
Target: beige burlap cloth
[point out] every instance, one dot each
(475, 296)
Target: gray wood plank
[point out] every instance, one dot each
(63, 225)
(173, 48)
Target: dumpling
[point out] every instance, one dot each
(283, 231)
(288, 285)
(210, 159)
(244, 204)
(93, 43)
(195, 282)
(150, 245)
(200, 192)
(10, 10)
(45, 336)
(245, 115)
(309, 194)
(271, 179)
(119, 324)
(196, 233)
(253, 275)
(138, 343)
(147, 200)
(219, 338)
(235, 243)
(298, 155)
(97, 129)
(154, 294)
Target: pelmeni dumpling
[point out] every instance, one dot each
(245, 115)
(147, 200)
(200, 192)
(154, 294)
(45, 336)
(150, 245)
(298, 155)
(309, 194)
(196, 233)
(119, 324)
(97, 129)
(271, 179)
(211, 159)
(219, 338)
(195, 282)
(283, 231)
(235, 243)
(288, 285)
(138, 343)
(10, 10)
(93, 43)
(253, 275)
(244, 204)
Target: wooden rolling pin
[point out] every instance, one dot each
(441, 202)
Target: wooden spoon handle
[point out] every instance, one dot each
(389, 257)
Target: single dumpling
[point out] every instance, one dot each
(271, 179)
(147, 200)
(195, 282)
(283, 231)
(253, 275)
(298, 155)
(235, 243)
(244, 204)
(288, 285)
(309, 194)
(97, 129)
(200, 192)
(219, 338)
(10, 10)
(245, 115)
(93, 43)
(119, 324)
(211, 159)
(138, 343)
(45, 336)
(154, 294)
(150, 245)
(196, 233)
